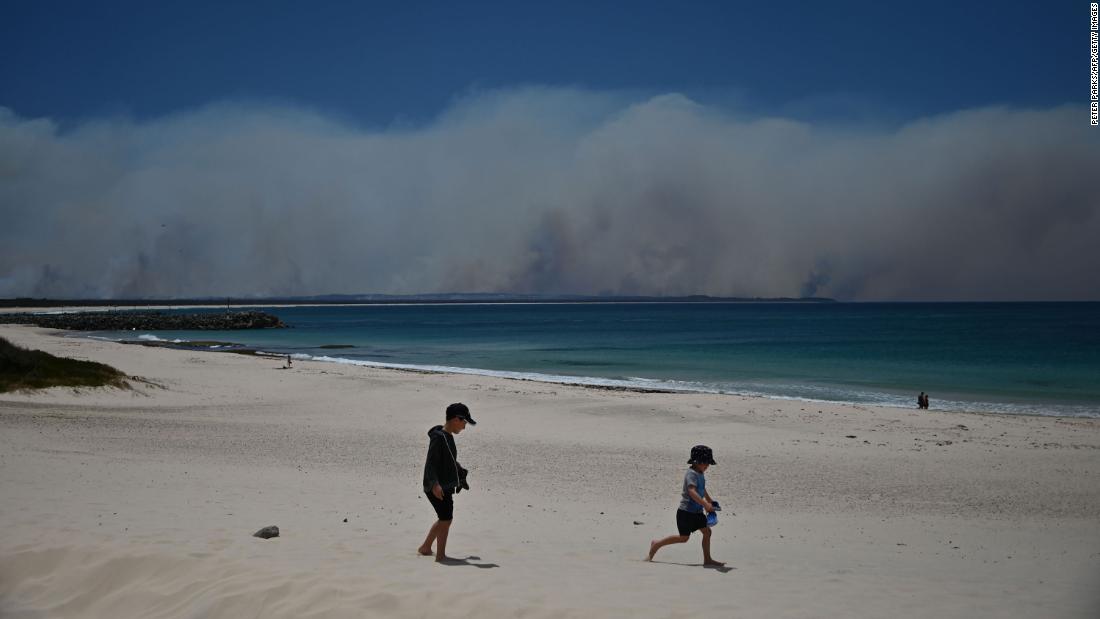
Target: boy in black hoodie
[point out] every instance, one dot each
(444, 477)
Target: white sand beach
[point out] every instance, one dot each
(142, 503)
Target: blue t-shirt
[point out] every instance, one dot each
(693, 478)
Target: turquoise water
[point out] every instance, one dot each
(1039, 358)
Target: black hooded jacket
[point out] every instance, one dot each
(441, 466)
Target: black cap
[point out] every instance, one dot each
(458, 409)
(701, 454)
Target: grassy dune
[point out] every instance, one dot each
(33, 369)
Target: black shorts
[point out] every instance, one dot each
(689, 522)
(445, 509)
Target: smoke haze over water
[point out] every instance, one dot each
(542, 190)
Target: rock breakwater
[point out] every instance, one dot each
(148, 321)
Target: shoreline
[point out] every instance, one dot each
(143, 502)
(596, 382)
(1007, 390)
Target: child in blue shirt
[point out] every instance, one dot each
(695, 504)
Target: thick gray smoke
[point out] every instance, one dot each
(552, 191)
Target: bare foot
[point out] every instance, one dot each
(427, 552)
(652, 550)
(713, 563)
(446, 559)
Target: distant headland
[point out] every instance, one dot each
(383, 299)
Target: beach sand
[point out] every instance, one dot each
(142, 503)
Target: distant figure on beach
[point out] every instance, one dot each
(922, 400)
(288, 361)
(444, 477)
(695, 504)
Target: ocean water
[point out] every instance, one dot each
(1023, 358)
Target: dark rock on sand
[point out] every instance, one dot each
(267, 532)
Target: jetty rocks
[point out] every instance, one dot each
(148, 321)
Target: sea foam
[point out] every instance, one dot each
(832, 395)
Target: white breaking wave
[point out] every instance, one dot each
(532, 376)
(149, 337)
(864, 398)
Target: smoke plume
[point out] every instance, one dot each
(541, 190)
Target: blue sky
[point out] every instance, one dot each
(384, 63)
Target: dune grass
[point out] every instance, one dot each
(33, 369)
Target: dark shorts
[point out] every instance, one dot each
(445, 509)
(689, 522)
